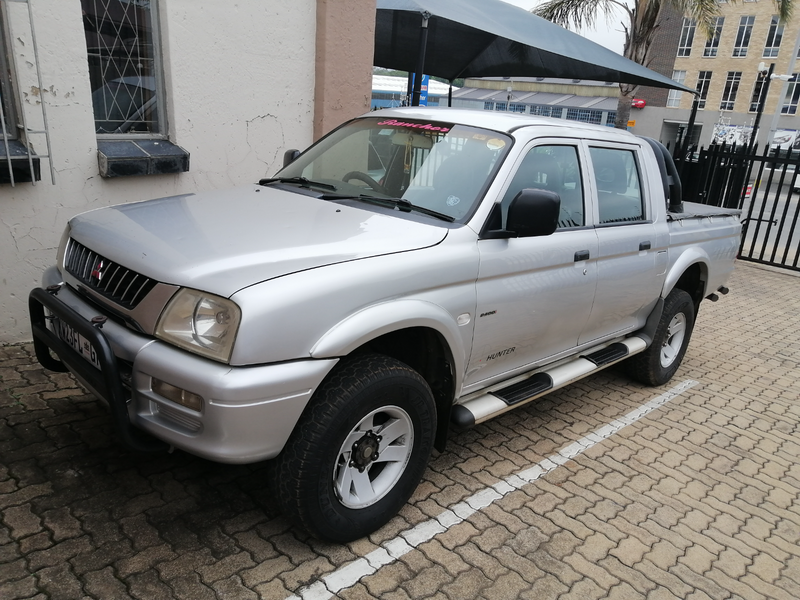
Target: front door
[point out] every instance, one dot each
(535, 294)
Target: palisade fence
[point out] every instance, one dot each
(765, 186)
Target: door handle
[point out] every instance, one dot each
(644, 246)
(581, 255)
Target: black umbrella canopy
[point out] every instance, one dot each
(490, 38)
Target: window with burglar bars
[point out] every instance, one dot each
(792, 97)
(731, 88)
(743, 36)
(774, 37)
(124, 65)
(674, 96)
(7, 128)
(687, 37)
(703, 83)
(712, 43)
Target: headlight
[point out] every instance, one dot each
(201, 323)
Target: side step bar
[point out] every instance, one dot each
(493, 403)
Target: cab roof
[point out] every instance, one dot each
(505, 122)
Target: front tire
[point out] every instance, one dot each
(657, 364)
(359, 450)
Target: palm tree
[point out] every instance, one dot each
(640, 23)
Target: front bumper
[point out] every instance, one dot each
(247, 413)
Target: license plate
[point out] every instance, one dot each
(77, 342)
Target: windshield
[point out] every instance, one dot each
(432, 165)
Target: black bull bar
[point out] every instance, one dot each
(105, 381)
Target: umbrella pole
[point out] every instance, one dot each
(450, 94)
(423, 43)
(686, 142)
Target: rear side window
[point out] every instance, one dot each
(619, 193)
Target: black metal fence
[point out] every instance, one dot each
(765, 186)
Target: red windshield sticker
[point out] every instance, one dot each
(427, 126)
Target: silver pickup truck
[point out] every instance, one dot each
(414, 270)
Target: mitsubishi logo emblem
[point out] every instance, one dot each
(97, 272)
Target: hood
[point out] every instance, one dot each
(223, 241)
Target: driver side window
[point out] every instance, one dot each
(554, 168)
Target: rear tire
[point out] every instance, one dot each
(359, 450)
(657, 364)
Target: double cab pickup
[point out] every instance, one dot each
(413, 271)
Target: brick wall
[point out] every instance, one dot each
(662, 55)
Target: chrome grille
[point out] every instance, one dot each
(112, 280)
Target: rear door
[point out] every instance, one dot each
(632, 251)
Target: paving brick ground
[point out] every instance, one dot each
(697, 500)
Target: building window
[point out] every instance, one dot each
(501, 106)
(585, 115)
(7, 120)
(18, 162)
(674, 96)
(124, 66)
(488, 105)
(611, 118)
(687, 37)
(743, 36)
(517, 108)
(703, 83)
(712, 43)
(792, 97)
(731, 88)
(774, 37)
(546, 111)
(756, 97)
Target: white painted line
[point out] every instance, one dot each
(348, 575)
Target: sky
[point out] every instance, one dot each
(608, 34)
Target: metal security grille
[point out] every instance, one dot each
(764, 185)
(121, 45)
(12, 123)
(115, 282)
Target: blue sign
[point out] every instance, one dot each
(423, 90)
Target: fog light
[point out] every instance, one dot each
(177, 395)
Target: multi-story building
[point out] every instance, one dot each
(729, 71)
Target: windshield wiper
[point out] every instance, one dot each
(301, 181)
(405, 206)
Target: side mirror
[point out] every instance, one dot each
(533, 213)
(289, 156)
